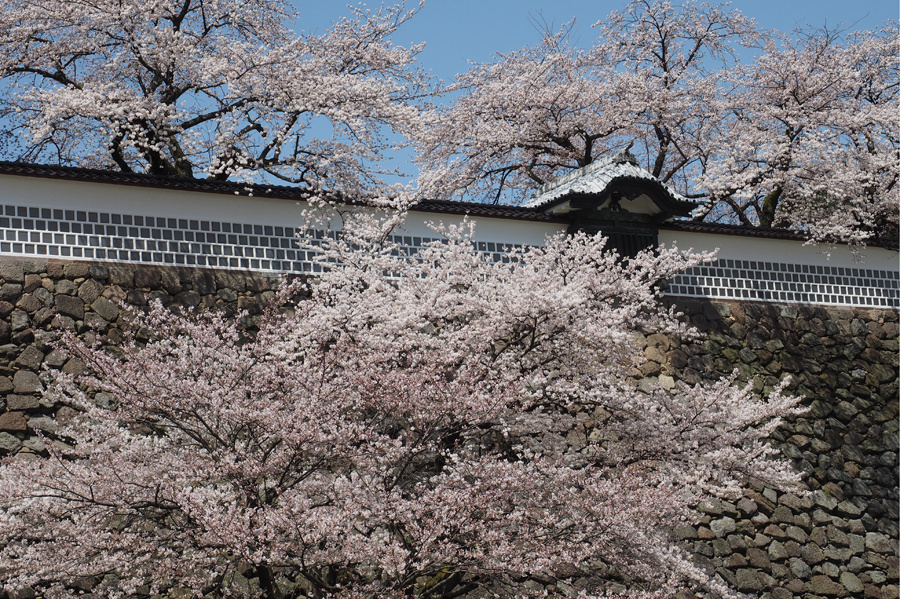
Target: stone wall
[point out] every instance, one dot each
(38, 298)
(839, 540)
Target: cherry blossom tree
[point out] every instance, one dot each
(651, 80)
(197, 88)
(392, 435)
(805, 136)
(813, 141)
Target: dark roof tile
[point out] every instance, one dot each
(763, 232)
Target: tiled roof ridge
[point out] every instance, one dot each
(72, 173)
(596, 177)
(765, 232)
(77, 173)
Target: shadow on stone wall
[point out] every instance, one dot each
(841, 539)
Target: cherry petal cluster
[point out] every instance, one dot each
(391, 433)
(652, 81)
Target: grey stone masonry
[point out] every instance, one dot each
(838, 539)
(40, 298)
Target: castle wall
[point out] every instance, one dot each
(840, 540)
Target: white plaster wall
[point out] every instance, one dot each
(280, 254)
(781, 250)
(147, 201)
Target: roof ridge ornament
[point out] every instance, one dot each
(625, 156)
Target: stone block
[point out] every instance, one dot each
(747, 580)
(747, 506)
(188, 298)
(823, 585)
(783, 515)
(95, 322)
(19, 321)
(258, 283)
(136, 297)
(12, 272)
(25, 381)
(811, 554)
(29, 303)
(65, 287)
(825, 500)
(170, 282)
(106, 309)
(204, 282)
(796, 533)
(845, 508)
(781, 593)
(115, 293)
(55, 269)
(792, 548)
(76, 270)
(121, 275)
(55, 359)
(799, 568)
(879, 543)
(98, 271)
(666, 382)
(44, 296)
(22, 402)
(10, 292)
(147, 277)
(758, 558)
(857, 543)
(31, 358)
(777, 551)
(89, 291)
(32, 282)
(34, 267)
(12, 422)
(685, 532)
(70, 306)
(9, 443)
(229, 279)
(226, 295)
(43, 423)
(252, 306)
(75, 367)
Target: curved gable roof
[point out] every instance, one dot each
(596, 178)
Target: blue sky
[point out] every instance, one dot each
(457, 31)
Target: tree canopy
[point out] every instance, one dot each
(805, 135)
(207, 88)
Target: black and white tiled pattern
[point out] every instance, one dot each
(27, 231)
(86, 235)
(787, 282)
